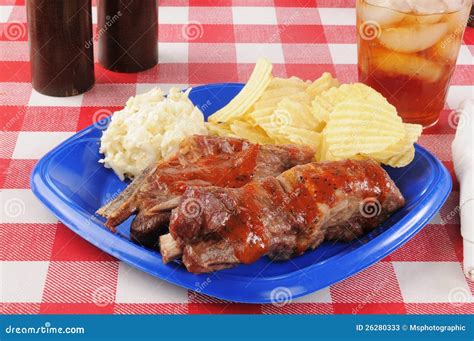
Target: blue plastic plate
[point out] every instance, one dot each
(73, 185)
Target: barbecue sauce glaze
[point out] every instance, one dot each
(224, 170)
(312, 185)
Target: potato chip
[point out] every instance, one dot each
(240, 104)
(247, 131)
(339, 121)
(219, 129)
(323, 153)
(277, 90)
(278, 93)
(321, 108)
(303, 136)
(293, 82)
(359, 127)
(299, 114)
(324, 103)
(402, 153)
(322, 84)
(280, 89)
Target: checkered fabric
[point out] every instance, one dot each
(45, 268)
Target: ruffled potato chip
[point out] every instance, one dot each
(360, 127)
(340, 121)
(245, 99)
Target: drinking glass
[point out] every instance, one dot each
(407, 50)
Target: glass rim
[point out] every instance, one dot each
(462, 6)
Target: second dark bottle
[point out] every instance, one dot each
(128, 34)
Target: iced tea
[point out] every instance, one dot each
(407, 50)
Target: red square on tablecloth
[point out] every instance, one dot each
(298, 308)
(93, 115)
(19, 308)
(18, 173)
(431, 244)
(369, 308)
(176, 73)
(11, 117)
(245, 70)
(210, 3)
(75, 308)
(15, 71)
(212, 73)
(27, 242)
(292, 34)
(308, 71)
(4, 164)
(295, 3)
(206, 33)
(104, 76)
(69, 246)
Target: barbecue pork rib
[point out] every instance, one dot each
(216, 228)
(200, 161)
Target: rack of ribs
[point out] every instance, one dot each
(200, 161)
(215, 228)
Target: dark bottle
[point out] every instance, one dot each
(128, 34)
(470, 20)
(61, 54)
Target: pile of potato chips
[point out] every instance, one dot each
(339, 121)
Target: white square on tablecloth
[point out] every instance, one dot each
(145, 87)
(254, 15)
(20, 206)
(337, 16)
(465, 57)
(135, 286)
(173, 53)
(34, 144)
(249, 53)
(5, 12)
(173, 14)
(22, 281)
(458, 93)
(343, 53)
(432, 282)
(40, 100)
(320, 296)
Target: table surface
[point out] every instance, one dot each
(45, 268)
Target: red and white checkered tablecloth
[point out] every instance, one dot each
(45, 268)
